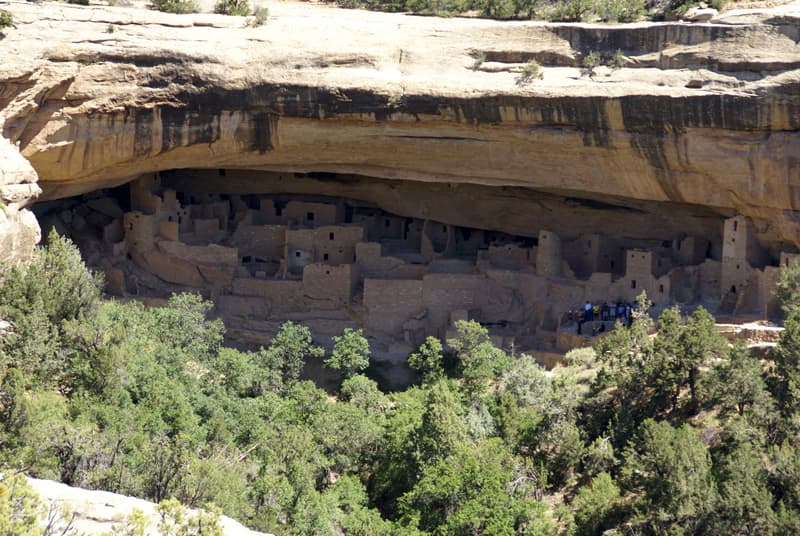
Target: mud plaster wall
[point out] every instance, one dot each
(373, 265)
(311, 213)
(329, 286)
(138, 229)
(336, 244)
(592, 253)
(692, 250)
(168, 230)
(219, 210)
(299, 249)
(211, 254)
(206, 230)
(548, 254)
(282, 295)
(142, 197)
(390, 303)
(242, 307)
(443, 293)
(259, 241)
(511, 256)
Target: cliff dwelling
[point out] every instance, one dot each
(403, 261)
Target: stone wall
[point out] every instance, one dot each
(549, 259)
(443, 293)
(282, 295)
(327, 286)
(336, 244)
(390, 303)
(259, 241)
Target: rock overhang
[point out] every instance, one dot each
(402, 98)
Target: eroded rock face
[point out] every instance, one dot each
(99, 512)
(701, 115)
(19, 230)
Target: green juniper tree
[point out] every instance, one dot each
(350, 352)
(427, 360)
(670, 469)
(479, 360)
(287, 353)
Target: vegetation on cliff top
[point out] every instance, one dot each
(6, 19)
(556, 11)
(677, 433)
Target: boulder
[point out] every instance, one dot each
(699, 14)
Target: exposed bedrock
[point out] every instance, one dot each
(648, 149)
(701, 117)
(19, 231)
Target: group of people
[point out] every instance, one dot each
(622, 311)
(612, 312)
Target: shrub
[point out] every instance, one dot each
(41, 300)
(480, 58)
(674, 9)
(594, 503)
(260, 16)
(79, 2)
(505, 9)
(617, 61)
(585, 357)
(175, 6)
(788, 288)
(593, 59)
(620, 10)
(590, 61)
(240, 8)
(498, 9)
(391, 6)
(6, 19)
(441, 8)
(532, 71)
(570, 11)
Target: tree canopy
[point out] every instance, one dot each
(663, 428)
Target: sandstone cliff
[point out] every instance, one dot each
(98, 512)
(701, 122)
(19, 231)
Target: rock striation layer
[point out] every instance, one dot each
(19, 231)
(701, 115)
(99, 512)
